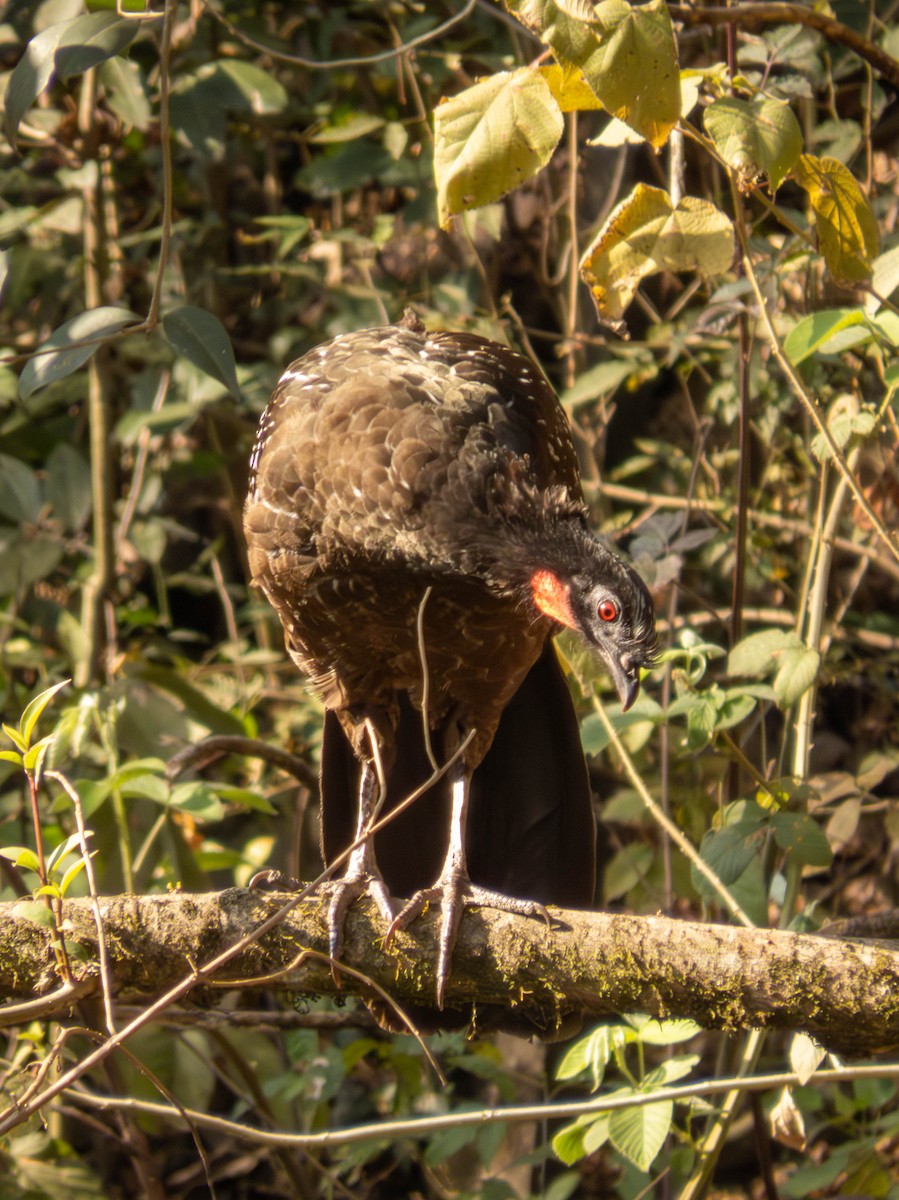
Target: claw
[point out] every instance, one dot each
(455, 893)
(344, 892)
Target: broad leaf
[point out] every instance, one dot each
(126, 92)
(66, 48)
(757, 654)
(21, 494)
(618, 47)
(570, 89)
(646, 234)
(825, 331)
(491, 138)
(805, 1056)
(796, 674)
(847, 230)
(755, 137)
(801, 834)
(639, 1132)
(636, 45)
(70, 346)
(68, 486)
(201, 337)
(653, 1032)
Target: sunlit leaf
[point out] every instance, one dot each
(797, 672)
(805, 1056)
(846, 227)
(32, 713)
(640, 1132)
(820, 331)
(568, 1143)
(491, 138)
(653, 1032)
(755, 137)
(570, 89)
(70, 346)
(757, 654)
(619, 48)
(646, 234)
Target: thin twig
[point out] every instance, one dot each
(365, 60)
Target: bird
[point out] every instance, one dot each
(415, 517)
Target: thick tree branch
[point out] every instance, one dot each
(589, 965)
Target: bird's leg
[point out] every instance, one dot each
(361, 875)
(454, 888)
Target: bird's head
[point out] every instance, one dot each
(609, 606)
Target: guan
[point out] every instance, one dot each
(415, 518)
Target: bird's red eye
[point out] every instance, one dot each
(608, 610)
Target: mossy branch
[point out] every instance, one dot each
(515, 971)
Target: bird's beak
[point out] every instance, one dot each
(627, 682)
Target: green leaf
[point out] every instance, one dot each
(653, 1032)
(12, 756)
(796, 674)
(72, 842)
(28, 860)
(16, 738)
(65, 48)
(33, 758)
(646, 234)
(259, 90)
(592, 1053)
(201, 337)
(72, 873)
(670, 1071)
(568, 1143)
(70, 346)
(801, 834)
(68, 486)
(819, 332)
(92, 39)
(32, 74)
(348, 129)
(730, 850)
(126, 92)
(35, 912)
(757, 654)
(21, 495)
(755, 137)
(33, 711)
(640, 1132)
(847, 231)
(845, 419)
(491, 138)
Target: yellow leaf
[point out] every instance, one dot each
(847, 231)
(627, 53)
(570, 89)
(646, 234)
(491, 138)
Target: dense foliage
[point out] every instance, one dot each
(192, 197)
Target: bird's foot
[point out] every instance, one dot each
(456, 892)
(341, 893)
